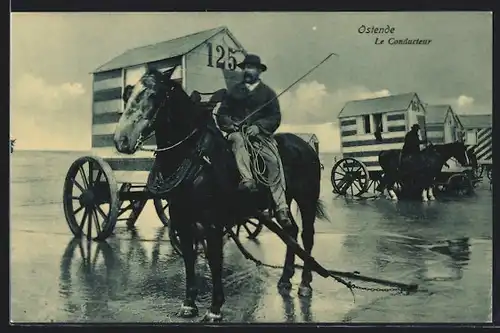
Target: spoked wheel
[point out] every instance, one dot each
(251, 228)
(175, 242)
(90, 198)
(478, 172)
(460, 184)
(350, 177)
(161, 207)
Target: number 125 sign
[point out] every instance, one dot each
(221, 57)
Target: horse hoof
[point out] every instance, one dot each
(187, 311)
(305, 291)
(394, 198)
(211, 317)
(432, 198)
(425, 199)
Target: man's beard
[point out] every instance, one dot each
(250, 77)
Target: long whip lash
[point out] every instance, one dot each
(288, 88)
(258, 165)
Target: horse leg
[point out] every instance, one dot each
(308, 213)
(382, 184)
(390, 188)
(430, 192)
(392, 193)
(424, 195)
(214, 234)
(186, 238)
(284, 284)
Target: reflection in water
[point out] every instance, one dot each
(290, 312)
(90, 281)
(450, 268)
(94, 274)
(116, 281)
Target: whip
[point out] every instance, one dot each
(258, 165)
(288, 88)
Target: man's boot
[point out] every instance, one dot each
(283, 218)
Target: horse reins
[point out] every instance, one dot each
(140, 141)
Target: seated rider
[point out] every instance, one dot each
(240, 101)
(412, 143)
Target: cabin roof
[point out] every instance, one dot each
(308, 137)
(436, 114)
(476, 120)
(390, 103)
(163, 50)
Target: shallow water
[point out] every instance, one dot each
(136, 277)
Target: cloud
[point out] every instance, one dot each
(49, 116)
(311, 108)
(328, 134)
(311, 102)
(464, 101)
(464, 104)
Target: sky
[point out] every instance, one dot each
(53, 55)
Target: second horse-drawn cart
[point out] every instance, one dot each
(358, 170)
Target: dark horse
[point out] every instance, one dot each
(418, 172)
(195, 158)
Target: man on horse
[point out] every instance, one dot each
(412, 143)
(240, 104)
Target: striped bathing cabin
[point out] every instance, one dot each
(479, 136)
(393, 115)
(311, 139)
(206, 61)
(444, 126)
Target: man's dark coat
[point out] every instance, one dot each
(412, 143)
(240, 102)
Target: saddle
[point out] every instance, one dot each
(408, 159)
(215, 97)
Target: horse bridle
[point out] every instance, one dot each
(141, 140)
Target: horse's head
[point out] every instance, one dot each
(457, 150)
(142, 103)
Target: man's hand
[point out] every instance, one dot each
(252, 130)
(231, 128)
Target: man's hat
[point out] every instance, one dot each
(415, 126)
(252, 59)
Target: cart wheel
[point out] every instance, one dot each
(478, 172)
(349, 176)
(460, 184)
(161, 206)
(90, 198)
(175, 242)
(252, 228)
(490, 174)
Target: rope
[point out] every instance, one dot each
(258, 164)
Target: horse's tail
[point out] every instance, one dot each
(321, 211)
